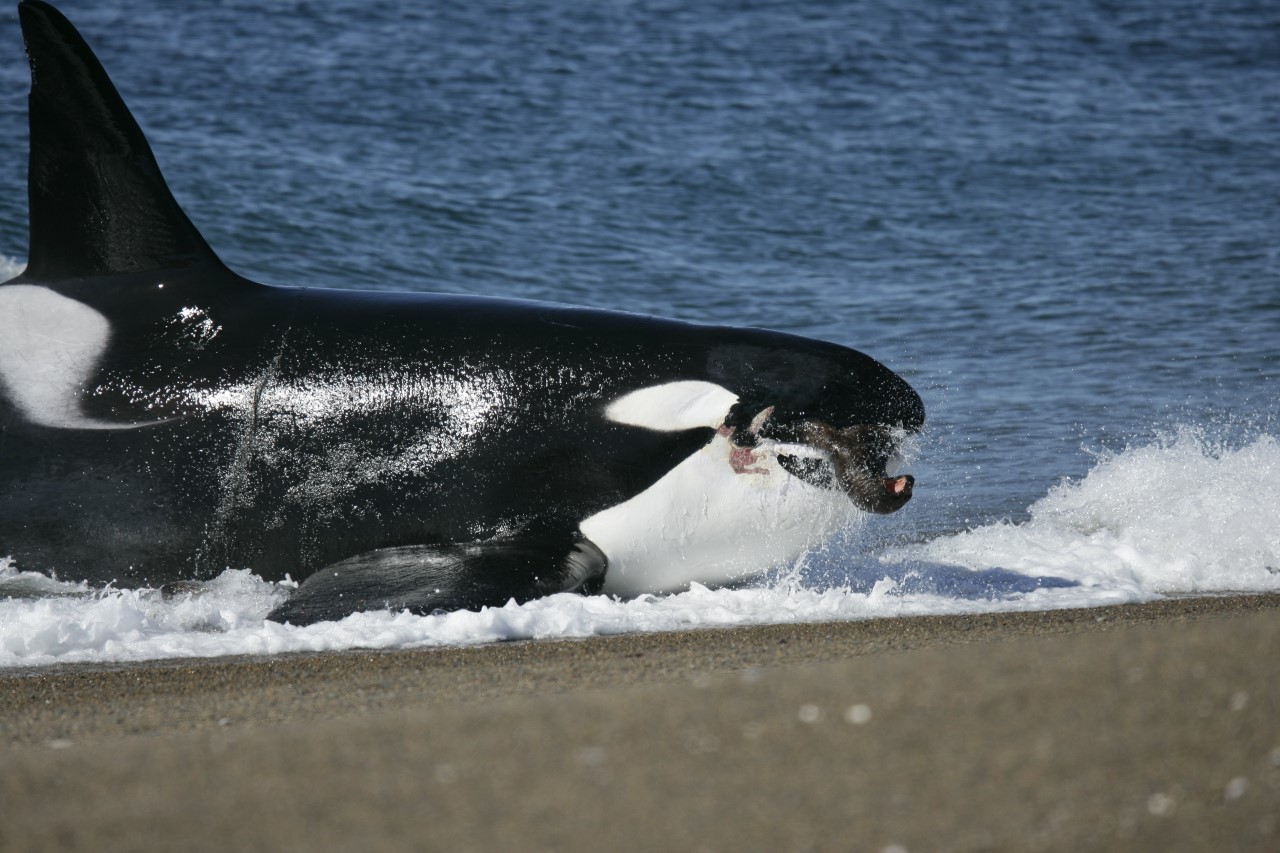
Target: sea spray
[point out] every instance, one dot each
(1183, 514)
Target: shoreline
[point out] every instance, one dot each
(449, 674)
(1146, 726)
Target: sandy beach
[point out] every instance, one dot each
(1141, 727)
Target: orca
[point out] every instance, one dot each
(163, 418)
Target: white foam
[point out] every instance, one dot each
(1183, 514)
(130, 625)
(1179, 515)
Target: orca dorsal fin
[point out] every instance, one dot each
(99, 205)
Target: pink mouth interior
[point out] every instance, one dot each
(895, 485)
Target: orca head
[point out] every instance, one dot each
(832, 417)
(803, 436)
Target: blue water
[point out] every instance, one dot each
(1059, 220)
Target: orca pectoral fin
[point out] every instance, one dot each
(425, 578)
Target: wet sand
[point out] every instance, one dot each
(1142, 727)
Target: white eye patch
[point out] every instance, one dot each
(673, 406)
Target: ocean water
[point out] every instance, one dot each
(1059, 220)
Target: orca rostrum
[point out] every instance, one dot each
(163, 418)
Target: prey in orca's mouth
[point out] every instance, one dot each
(856, 460)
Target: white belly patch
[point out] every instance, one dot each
(722, 514)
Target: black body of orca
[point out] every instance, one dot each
(162, 418)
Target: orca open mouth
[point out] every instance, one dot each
(856, 460)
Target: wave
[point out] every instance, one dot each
(1183, 514)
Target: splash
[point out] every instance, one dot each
(1183, 514)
